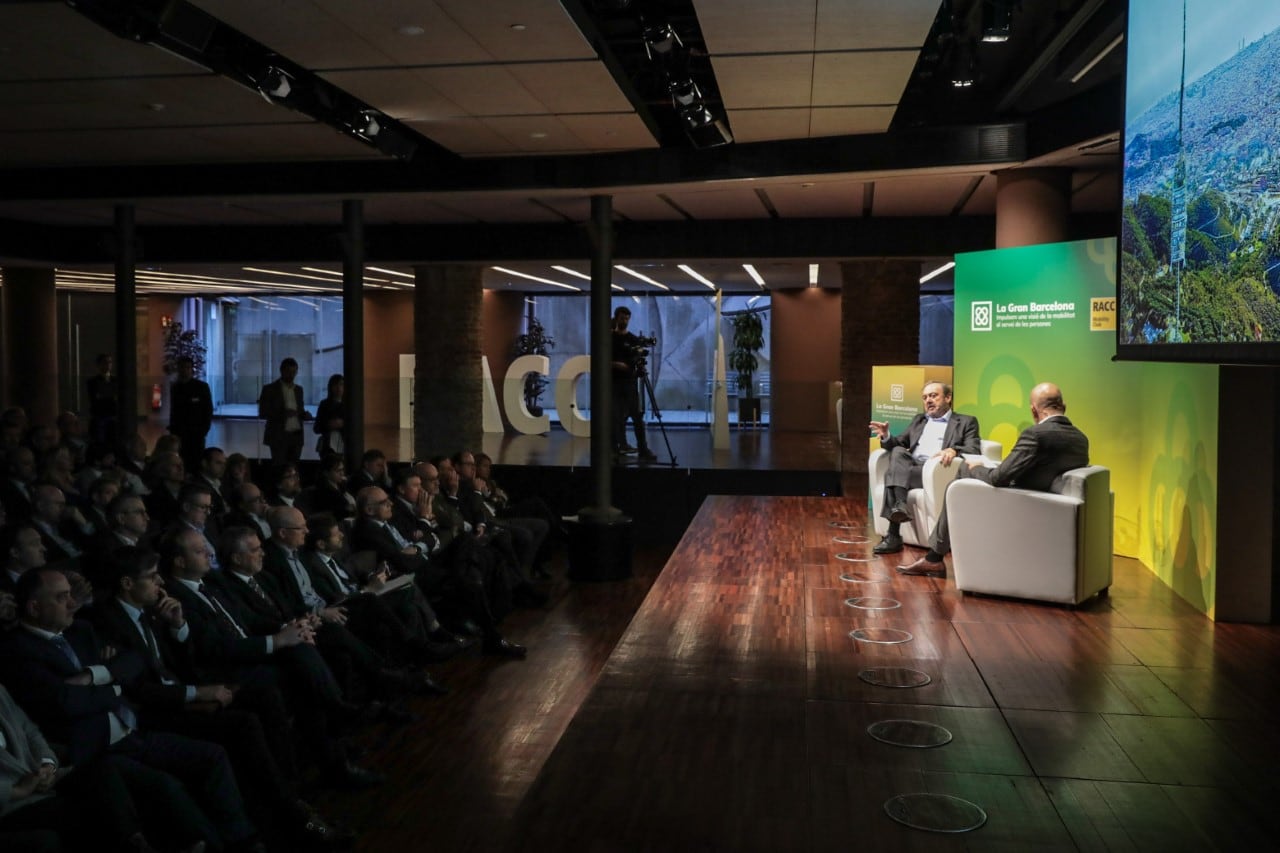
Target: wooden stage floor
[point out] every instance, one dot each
(727, 714)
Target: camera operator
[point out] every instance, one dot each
(629, 356)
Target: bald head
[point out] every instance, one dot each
(1046, 401)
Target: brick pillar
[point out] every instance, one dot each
(1033, 206)
(879, 324)
(448, 396)
(31, 342)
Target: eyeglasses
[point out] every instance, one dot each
(293, 528)
(205, 507)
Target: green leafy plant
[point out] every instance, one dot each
(748, 339)
(179, 343)
(535, 341)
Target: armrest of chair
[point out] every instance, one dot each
(992, 450)
(935, 477)
(877, 467)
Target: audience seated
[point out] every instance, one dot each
(229, 645)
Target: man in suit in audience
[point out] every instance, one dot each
(61, 528)
(280, 405)
(249, 721)
(16, 489)
(24, 551)
(169, 473)
(90, 804)
(1048, 448)
(190, 412)
(232, 645)
(52, 664)
(286, 486)
(297, 597)
(399, 621)
(248, 509)
(374, 532)
(938, 431)
(329, 494)
(213, 464)
(195, 512)
(373, 472)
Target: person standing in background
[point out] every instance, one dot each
(280, 405)
(190, 412)
(331, 418)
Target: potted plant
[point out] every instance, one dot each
(748, 339)
(535, 341)
(178, 344)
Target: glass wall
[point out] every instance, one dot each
(681, 364)
(248, 336)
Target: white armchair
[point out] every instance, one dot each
(922, 503)
(1045, 546)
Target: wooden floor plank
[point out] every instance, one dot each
(716, 705)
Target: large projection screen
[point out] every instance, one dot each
(1199, 260)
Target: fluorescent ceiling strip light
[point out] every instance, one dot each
(751, 271)
(629, 271)
(695, 275)
(537, 279)
(339, 275)
(393, 272)
(573, 273)
(813, 275)
(939, 271)
(327, 279)
(1102, 54)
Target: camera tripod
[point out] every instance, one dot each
(643, 376)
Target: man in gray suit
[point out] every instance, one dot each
(1048, 448)
(937, 431)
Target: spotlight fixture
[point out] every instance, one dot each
(685, 93)
(964, 70)
(997, 20)
(275, 85)
(660, 39)
(366, 125)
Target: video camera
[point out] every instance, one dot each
(637, 348)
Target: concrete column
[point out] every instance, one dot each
(126, 323)
(1032, 206)
(879, 324)
(448, 396)
(31, 342)
(353, 327)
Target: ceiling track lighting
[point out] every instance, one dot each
(964, 70)
(660, 39)
(997, 20)
(275, 85)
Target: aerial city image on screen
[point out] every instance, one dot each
(1200, 246)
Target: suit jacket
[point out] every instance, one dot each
(368, 535)
(257, 615)
(190, 408)
(323, 497)
(1041, 453)
(17, 504)
(36, 671)
(117, 629)
(215, 646)
(26, 752)
(275, 565)
(961, 434)
(271, 408)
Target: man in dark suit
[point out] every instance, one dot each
(1048, 448)
(94, 804)
(169, 473)
(23, 551)
(280, 405)
(249, 721)
(297, 597)
(61, 527)
(233, 644)
(373, 472)
(15, 490)
(190, 412)
(469, 594)
(329, 494)
(52, 664)
(937, 431)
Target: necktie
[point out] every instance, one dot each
(260, 592)
(341, 577)
(147, 634)
(63, 646)
(395, 534)
(220, 612)
(309, 595)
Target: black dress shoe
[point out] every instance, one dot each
(888, 545)
(648, 455)
(424, 685)
(317, 832)
(505, 648)
(899, 514)
(355, 777)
